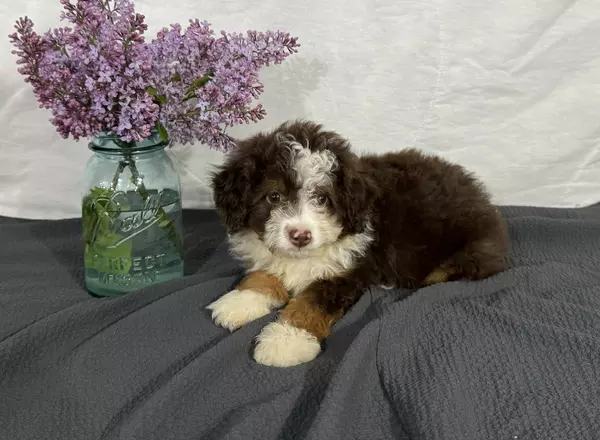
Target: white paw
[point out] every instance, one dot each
(237, 308)
(283, 345)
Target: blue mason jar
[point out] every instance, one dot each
(131, 216)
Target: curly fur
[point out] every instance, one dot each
(403, 219)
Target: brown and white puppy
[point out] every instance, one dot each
(316, 224)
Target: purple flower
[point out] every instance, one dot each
(73, 70)
(209, 83)
(99, 75)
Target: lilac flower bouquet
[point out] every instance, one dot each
(101, 79)
(100, 75)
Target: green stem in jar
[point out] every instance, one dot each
(99, 200)
(165, 222)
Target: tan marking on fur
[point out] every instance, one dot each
(439, 275)
(302, 314)
(298, 273)
(265, 283)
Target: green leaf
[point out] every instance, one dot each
(104, 258)
(103, 251)
(98, 210)
(162, 131)
(162, 99)
(93, 208)
(198, 83)
(192, 113)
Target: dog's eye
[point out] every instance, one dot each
(322, 200)
(274, 197)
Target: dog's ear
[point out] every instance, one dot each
(356, 193)
(232, 185)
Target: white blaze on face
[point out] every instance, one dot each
(313, 168)
(313, 172)
(327, 255)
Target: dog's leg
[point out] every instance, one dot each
(296, 336)
(439, 275)
(480, 259)
(255, 296)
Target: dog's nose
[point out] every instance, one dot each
(300, 237)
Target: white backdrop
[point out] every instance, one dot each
(508, 88)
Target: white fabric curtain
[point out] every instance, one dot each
(508, 88)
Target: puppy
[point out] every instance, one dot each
(315, 225)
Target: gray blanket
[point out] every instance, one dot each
(516, 356)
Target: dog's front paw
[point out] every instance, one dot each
(239, 307)
(282, 345)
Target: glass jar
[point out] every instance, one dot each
(131, 215)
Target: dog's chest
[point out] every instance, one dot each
(296, 275)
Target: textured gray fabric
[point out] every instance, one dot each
(513, 357)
